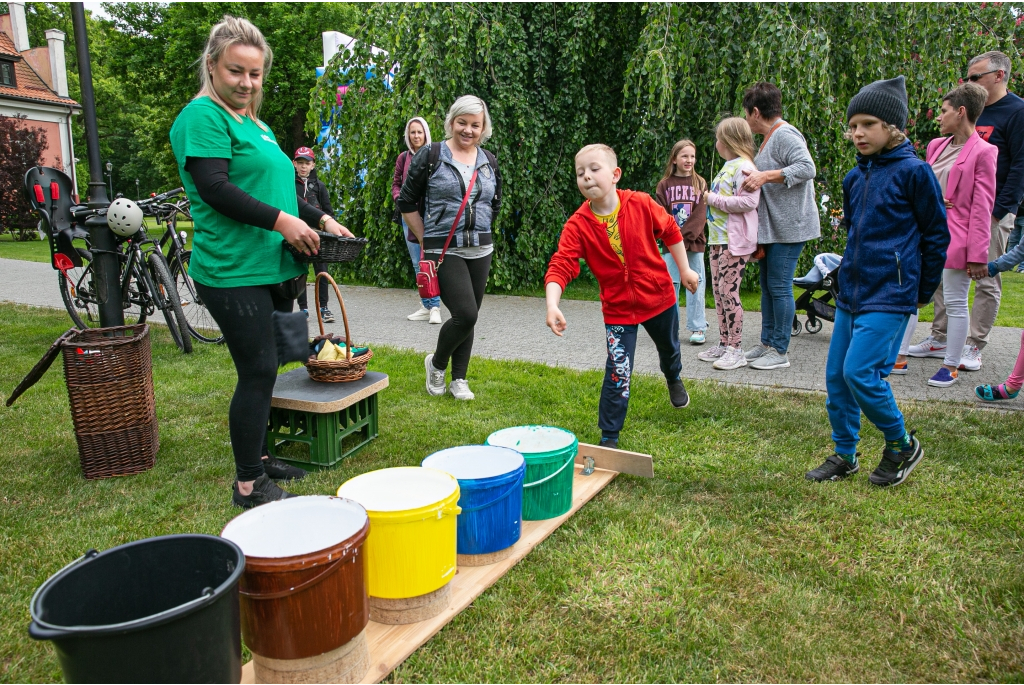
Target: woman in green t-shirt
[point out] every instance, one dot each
(240, 185)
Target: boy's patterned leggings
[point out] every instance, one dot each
(726, 275)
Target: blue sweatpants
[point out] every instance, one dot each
(618, 370)
(863, 349)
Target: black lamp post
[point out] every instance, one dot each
(106, 266)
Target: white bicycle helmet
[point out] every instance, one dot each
(124, 217)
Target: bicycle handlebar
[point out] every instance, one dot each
(161, 197)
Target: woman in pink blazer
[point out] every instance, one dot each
(966, 168)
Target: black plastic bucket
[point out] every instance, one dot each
(160, 610)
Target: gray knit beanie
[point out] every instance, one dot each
(886, 99)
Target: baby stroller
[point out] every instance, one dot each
(820, 286)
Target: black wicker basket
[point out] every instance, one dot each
(333, 248)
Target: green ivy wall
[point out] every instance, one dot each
(638, 77)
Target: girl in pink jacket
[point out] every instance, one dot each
(732, 238)
(966, 168)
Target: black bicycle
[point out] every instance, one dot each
(146, 283)
(166, 209)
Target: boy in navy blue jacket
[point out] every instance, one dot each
(895, 251)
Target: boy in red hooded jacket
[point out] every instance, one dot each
(616, 232)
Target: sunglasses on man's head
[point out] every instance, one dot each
(974, 78)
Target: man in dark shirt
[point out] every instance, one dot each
(1002, 124)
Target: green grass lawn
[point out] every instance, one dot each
(728, 565)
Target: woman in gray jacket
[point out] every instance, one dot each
(439, 175)
(787, 218)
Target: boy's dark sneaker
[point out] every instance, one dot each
(895, 467)
(278, 470)
(610, 443)
(326, 314)
(264, 490)
(677, 395)
(834, 468)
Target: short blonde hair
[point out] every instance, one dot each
(602, 148)
(735, 134)
(468, 104)
(233, 31)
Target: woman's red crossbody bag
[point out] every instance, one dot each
(426, 279)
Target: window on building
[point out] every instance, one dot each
(7, 74)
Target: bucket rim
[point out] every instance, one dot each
(535, 457)
(311, 560)
(305, 557)
(144, 622)
(446, 506)
(411, 513)
(484, 481)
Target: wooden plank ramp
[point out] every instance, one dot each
(390, 645)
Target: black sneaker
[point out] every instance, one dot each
(610, 443)
(326, 313)
(834, 468)
(264, 490)
(895, 467)
(278, 470)
(677, 395)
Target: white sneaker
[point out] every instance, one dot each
(435, 315)
(459, 388)
(756, 351)
(970, 360)
(713, 354)
(421, 314)
(772, 359)
(929, 347)
(732, 359)
(435, 378)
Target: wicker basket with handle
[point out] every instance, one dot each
(339, 370)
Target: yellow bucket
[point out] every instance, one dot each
(412, 543)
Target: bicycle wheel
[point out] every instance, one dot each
(172, 301)
(74, 290)
(200, 323)
(81, 301)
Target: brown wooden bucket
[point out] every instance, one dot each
(300, 605)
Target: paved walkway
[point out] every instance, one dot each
(513, 328)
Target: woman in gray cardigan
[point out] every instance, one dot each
(787, 218)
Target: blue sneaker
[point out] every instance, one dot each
(943, 378)
(697, 338)
(306, 312)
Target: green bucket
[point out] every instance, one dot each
(549, 453)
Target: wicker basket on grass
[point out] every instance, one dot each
(109, 374)
(338, 370)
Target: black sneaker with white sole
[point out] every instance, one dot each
(895, 467)
(278, 470)
(677, 395)
(834, 468)
(264, 491)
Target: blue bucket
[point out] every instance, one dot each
(491, 494)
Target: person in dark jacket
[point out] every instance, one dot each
(315, 209)
(895, 252)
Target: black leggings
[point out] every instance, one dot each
(244, 316)
(462, 284)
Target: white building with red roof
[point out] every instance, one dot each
(34, 84)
